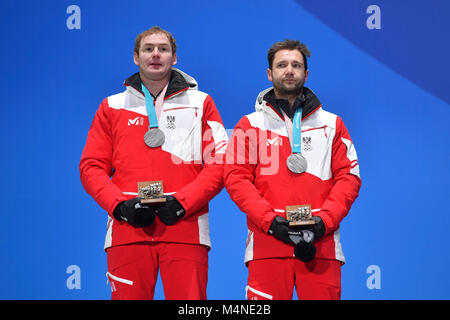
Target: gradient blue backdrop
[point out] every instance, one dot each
(390, 86)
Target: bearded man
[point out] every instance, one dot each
(291, 152)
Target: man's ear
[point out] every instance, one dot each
(135, 58)
(269, 74)
(174, 59)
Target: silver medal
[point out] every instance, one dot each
(154, 138)
(297, 163)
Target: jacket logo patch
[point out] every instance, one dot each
(138, 121)
(170, 122)
(277, 141)
(306, 143)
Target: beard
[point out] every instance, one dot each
(288, 90)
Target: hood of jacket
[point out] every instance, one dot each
(266, 102)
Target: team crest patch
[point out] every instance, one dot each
(170, 122)
(306, 141)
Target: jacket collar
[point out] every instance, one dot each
(179, 81)
(307, 100)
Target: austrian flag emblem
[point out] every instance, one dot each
(170, 122)
(306, 141)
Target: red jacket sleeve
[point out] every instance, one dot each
(96, 162)
(346, 179)
(239, 174)
(209, 181)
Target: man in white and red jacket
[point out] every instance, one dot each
(262, 183)
(172, 237)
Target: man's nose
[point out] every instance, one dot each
(156, 53)
(289, 69)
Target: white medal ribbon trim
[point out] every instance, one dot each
(160, 100)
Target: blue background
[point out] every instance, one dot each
(390, 86)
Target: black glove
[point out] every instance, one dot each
(318, 228)
(132, 212)
(304, 249)
(280, 230)
(171, 211)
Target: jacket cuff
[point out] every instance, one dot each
(114, 205)
(182, 200)
(327, 221)
(267, 221)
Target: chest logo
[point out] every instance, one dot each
(170, 122)
(306, 142)
(277, 141)
(136, 121)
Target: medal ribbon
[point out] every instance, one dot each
(160, 101)
(152, 119)
(153, 109)
(294, 130)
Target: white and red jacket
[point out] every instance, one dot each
(259, 182)
(116, 158)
